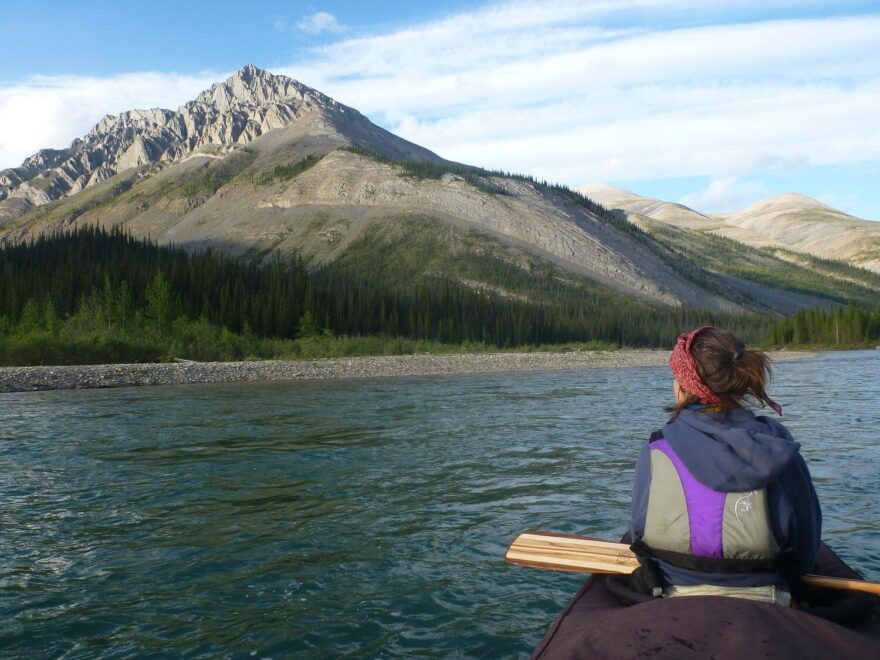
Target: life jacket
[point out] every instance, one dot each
(693, 526)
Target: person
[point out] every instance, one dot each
(723, 502)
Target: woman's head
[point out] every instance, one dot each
(713, 366)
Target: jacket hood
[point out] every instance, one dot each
(731, 453)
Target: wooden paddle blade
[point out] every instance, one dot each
(568, 552)
(841, 583)
(581, 554)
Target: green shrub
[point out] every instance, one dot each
(286, 171)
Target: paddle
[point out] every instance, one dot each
(580, 554)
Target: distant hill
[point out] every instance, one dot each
(261, 164)
(677, 214)
(790, 221)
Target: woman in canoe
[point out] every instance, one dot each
(723, 503)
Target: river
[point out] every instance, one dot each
(363, 517)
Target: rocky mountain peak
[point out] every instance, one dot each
(234, 112)
(248, 73)
(251, 86)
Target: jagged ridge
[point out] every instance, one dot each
(228, 115)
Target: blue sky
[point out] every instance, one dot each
(712, 103)
(94, 37)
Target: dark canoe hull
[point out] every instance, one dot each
(596, 624)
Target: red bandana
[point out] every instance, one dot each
(685, 369)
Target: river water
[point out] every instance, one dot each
(361, 517)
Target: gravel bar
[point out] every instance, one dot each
(28, 379)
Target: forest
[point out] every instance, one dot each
(95, 296)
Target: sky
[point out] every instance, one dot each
(712, 103)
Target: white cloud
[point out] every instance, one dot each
(320, 21)
(725, 195)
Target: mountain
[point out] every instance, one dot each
(790, 222)
(261, 165)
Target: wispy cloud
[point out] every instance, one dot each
(318, 22)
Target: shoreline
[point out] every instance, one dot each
(32, 379)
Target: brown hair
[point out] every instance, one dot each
(729, 369)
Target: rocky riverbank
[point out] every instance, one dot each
(24, 379)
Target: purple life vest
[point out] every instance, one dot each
(686, 517)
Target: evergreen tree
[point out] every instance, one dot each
(160, 302)
(307, 326)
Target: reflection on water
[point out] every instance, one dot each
(362, 517)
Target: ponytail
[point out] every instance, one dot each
(752, 372)
(732, 371)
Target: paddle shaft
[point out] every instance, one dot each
(580, 554)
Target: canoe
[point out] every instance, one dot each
(598, 624)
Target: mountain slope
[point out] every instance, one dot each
(785, 281)
(234, 204)
(805, 225)
(790, 221)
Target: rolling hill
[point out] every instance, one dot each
(789, 222)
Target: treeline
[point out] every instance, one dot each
(95, 295)
(850, 326)
(102, 295)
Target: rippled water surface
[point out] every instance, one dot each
(363, 517)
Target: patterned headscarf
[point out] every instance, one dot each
(685, 369)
